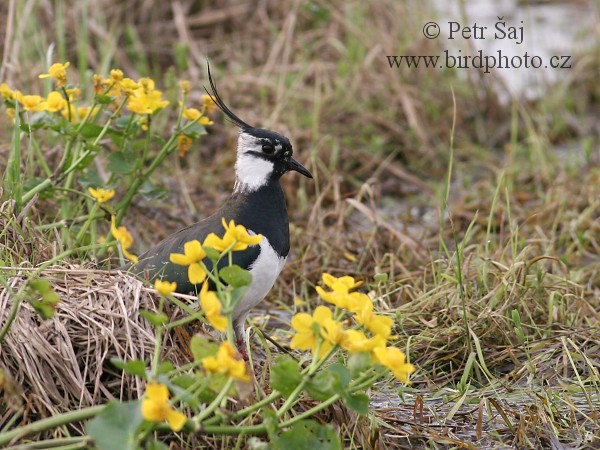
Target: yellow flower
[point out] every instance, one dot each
(236, 237)
(123, 237)
(59, 72)
(156, 407)
(208, 103)
(395, 360)
(356, 341)
(340, 293)
(212, 308)
(341, 284)
(165, 287)
(147, 102)
(184, 85)
(33, 103)
(82, 111)
(184, 143)
(73, 93)
(376, 324)
(116, 75)
(101, 195)
(226, 362)
(308, 330)
(99, 85)
(6, 93)
(55, 102)
(191, 114)
(205, 121)
(192, 255)
(333, 332)
(11, 113)
(147, 84)
(128, 86)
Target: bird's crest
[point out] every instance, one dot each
(214, 95)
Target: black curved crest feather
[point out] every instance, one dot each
(221, 104)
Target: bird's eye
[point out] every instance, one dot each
(268, 148)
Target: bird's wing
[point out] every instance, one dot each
(155, 263)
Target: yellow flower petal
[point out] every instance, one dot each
(175, 419)
(321, 314)
(157, 392)
(196, 274)
(165, 287)
(215, 242)
(302, 322)
(194, 250)
(179, 259)
(151, 411)
(302, 341)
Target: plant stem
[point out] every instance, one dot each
(51, 422)
(87, 223)
(215, 403)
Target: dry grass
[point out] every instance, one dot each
(378, 142)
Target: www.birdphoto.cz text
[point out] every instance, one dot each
(479, 59)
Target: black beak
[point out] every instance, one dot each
(292, 164)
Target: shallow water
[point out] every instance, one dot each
(542, 29)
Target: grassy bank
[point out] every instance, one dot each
(472, 220)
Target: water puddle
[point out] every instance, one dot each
(550, 33)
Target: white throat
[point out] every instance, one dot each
(252, 172)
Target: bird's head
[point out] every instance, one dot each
(262, 155)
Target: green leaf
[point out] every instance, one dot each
(90, 179)
(285, 375)
(151, 191)
(133, 367)
(156, 445)
(235, 276)
(201, 347)
(44, 310)
(358, 403)
(104, 99)
(116, 426)
(121, 163)
(164, 367)
(40, 285)
(195, 131)
(358, 363)
(90, 131)
(212, 254)
(183, 382)
(329, 382)
(308, 435)
(46, 306)
(33, 182)
(156, 319)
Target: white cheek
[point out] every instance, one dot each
(252, 172)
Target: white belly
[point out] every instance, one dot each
(265, 271)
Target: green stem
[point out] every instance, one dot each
(17, 300)
(138, 181)
(51, 422)
(158, 342)
(219, 429)
(55, 444)
(310, 412)
(214, 405)
(87, 223)
(184, 320)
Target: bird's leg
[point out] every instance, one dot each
(240, 341)
(241, 346)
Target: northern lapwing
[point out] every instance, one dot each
(257, 202)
